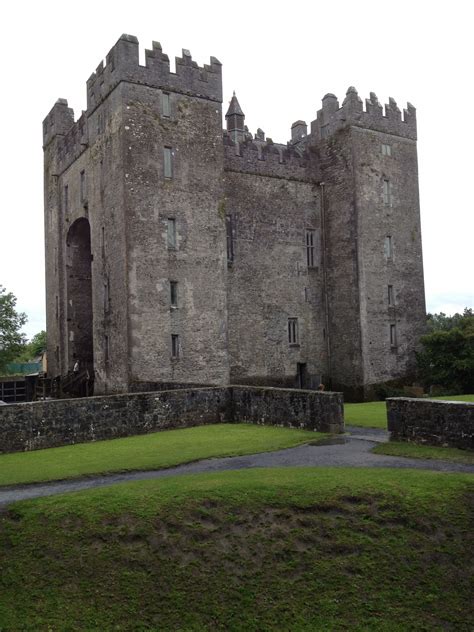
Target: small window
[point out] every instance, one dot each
(174, 293)
(293, 338)
(174, 346)
(165, 104)
(393, 335)
(167, 162)
(386, 150)
(388, 247)
(391, 300)
(171, 233)
(310, 248)
(66, 199)
(106, 295)
(102, 241)
(387, 195)
(83, 187)
(230, 238)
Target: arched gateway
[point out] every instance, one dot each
(79, 295)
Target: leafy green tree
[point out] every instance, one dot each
(11, 322)
(447, 357)
(32, 349)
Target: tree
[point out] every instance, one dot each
(32, 349)
(11, 321)
(447, 357)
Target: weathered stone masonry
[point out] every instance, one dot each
(431, 421)
(48, 424)
(179, 253)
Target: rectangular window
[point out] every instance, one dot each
(393, 335)
(171, 233)
(391, 300)
(66, 199)
(167, 162)
(293, 337)
(83, 187)
(230, 238)
(388, 247)
(386, 150)
(174, 346)
(387, 196)
(310, 248)
(174, 293)
(165, 104)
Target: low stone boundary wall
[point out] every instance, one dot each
(431, 421)
(46, 424)
(309, 410)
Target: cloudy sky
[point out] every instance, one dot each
(281, 58)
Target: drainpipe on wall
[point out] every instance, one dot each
(325, 290)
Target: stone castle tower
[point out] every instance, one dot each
(177, 253)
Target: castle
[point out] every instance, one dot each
(177, 253)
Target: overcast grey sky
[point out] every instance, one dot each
(281, 58)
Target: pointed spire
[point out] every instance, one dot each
(234, 107)
(235, 119)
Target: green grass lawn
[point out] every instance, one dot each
(300, 549)
(415, 451)
(146, 452)
(374, 414)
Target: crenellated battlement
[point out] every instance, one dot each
(58, 122)
(264, 157)
(332, 117)
(122, 64)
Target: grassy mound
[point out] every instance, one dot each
(280, 549)
(147, 452)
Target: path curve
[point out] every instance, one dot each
(354, 451)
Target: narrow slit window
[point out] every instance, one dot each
(293, 338)
(167, 162)
(391, 300)
(83, 187)
(174, 293)
(66, 199)
(165, 104)
(387, 196)
(388, 247)
(310, 248)
(171, 233)
(393, 335)
(106, 348)
(230, 238)
(386, 150)
(174, 346)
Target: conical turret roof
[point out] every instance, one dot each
(234, 107)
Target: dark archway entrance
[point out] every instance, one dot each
(79, 296)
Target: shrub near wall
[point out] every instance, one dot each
(432, 422)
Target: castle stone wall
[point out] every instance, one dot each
(48, 424)
(269, 280)
(432, 422)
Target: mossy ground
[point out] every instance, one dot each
(280, 549)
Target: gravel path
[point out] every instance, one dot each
(352, 450)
